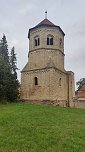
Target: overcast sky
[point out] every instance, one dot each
(17, 16)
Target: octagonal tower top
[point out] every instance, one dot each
(45, 23)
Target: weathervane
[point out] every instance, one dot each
(46, 14)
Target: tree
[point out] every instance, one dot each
(3, 70)
(8, 75)
(4, 67)
(13, 62)
(80, 82)
(14, 85)
(4, 49)
(12, 89)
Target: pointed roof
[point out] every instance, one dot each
(45, 22)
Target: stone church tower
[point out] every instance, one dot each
(44, 79)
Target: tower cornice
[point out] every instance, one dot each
(46, 49)
(43, 69)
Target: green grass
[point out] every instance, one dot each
(34, 128)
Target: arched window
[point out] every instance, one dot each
(49, 40)
(36, 80)
(60, 82)
(37, 41)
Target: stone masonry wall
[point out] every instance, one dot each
(43, 32)
(39, 59)
(49, 86)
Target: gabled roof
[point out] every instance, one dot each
(45, 23)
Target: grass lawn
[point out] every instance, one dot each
(34, 128)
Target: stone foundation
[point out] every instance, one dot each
(62, 103)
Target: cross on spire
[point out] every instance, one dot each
(46, 14)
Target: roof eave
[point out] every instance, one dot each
(44, 25)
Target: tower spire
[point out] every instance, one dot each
(46, 14)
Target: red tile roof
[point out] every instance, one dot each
(45, 22)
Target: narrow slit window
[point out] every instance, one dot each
(60, 82)
(36, 81)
